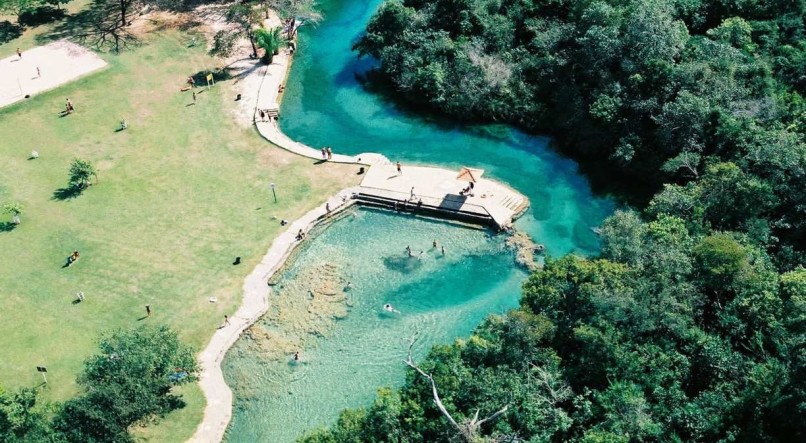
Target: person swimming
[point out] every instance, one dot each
(296, 356)
(388, 308)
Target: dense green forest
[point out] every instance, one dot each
(691, 324)
(130, 381)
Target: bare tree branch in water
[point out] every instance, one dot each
(468, 429)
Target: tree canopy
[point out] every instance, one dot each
(689, 325)
(129, 381)
(698, 95)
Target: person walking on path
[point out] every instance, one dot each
(226, 320)
(412, 194)
(324, 153)
(19, 53)
(148, 310)
(399, 170)
(329, 153)
(38, 74)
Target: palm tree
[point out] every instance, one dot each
(271, 41)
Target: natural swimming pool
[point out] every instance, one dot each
(346, 360)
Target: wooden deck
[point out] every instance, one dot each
(436, 191)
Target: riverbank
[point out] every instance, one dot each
(218, 411)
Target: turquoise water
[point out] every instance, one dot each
(441, 297)
(324, 104)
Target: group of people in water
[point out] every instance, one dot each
(434, 245)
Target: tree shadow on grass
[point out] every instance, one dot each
(218, 75)
(7, 226)
(9, 31)
(97, 26)
(41, 15)
(67, 193)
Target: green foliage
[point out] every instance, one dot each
(18, 7)
(13, 208)
(670, 335)
(271, 41)
(81, 172)
(22, 417)
(304, 10)
(244, 18)
(690, 325)
(128, 382)
(704, 96)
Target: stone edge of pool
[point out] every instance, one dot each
(218, 411)
(510, 205)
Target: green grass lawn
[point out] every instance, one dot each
(180, 194)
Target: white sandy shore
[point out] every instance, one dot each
(58, 62)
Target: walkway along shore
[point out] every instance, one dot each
(218, 412)
(428, 190)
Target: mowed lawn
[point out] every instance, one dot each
(180, 194)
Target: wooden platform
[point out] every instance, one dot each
(436, 192)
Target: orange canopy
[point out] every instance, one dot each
(470, 174)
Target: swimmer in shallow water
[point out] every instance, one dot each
(388, 308)
(296, 356)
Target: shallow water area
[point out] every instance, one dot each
(345, 358)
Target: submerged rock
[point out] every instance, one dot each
(525, 250)
(304, 307)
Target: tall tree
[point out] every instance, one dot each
(129, 381)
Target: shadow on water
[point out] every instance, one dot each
(403, 264)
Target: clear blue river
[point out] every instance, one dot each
(439, 297)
